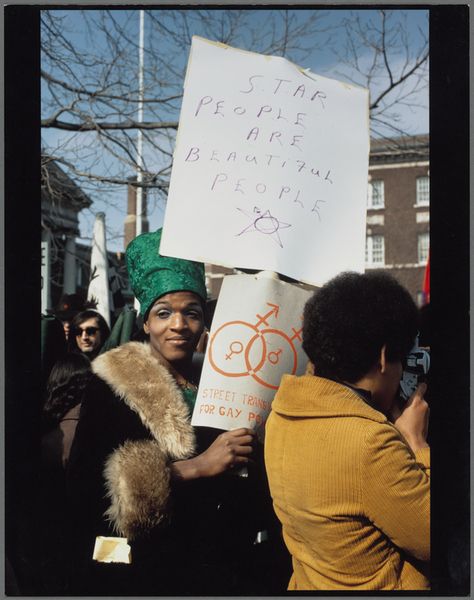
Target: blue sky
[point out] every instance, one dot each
(321, 62)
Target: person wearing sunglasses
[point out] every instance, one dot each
(140, 472)
(89, 333)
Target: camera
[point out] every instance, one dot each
(416, 363)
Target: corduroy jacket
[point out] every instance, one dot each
(353, 498)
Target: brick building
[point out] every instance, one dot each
(398, 221)
(398, 218)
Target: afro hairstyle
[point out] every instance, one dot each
(349, 320)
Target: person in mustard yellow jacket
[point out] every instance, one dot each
(347, 463)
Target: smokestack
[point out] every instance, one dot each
(130, 229)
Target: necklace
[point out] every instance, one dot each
(187, 385)
(181, 381)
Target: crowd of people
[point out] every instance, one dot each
(136, 501)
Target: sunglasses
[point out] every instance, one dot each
(89, 330)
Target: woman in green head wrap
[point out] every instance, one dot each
(136, 469)
(172, 296)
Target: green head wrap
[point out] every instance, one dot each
(152, 275)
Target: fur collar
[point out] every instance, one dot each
(150, 390)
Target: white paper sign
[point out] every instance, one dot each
(255, 339)
(270, 167)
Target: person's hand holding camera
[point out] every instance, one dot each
(412, 419)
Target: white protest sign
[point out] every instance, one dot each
(270, 168)
(255, 339)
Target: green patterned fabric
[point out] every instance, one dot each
(190, 398)
(152, 275)
(122, 330)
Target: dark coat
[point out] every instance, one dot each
(56, 444)
(194, 540)
(54, 559)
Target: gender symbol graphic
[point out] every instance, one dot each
(240, 349)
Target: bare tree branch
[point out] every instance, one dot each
(91, 85)
(145, 184)
(97, 94)
(93, 126)
(385, 76)
(399, 81)
(90, 79)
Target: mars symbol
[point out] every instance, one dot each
(258, 350)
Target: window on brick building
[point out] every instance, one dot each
(422, 191)
(374, 251)
(375, 195)
(423, 248)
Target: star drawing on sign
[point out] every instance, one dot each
(264, 223)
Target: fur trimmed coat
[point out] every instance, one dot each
(132, 440)
(195, 539)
